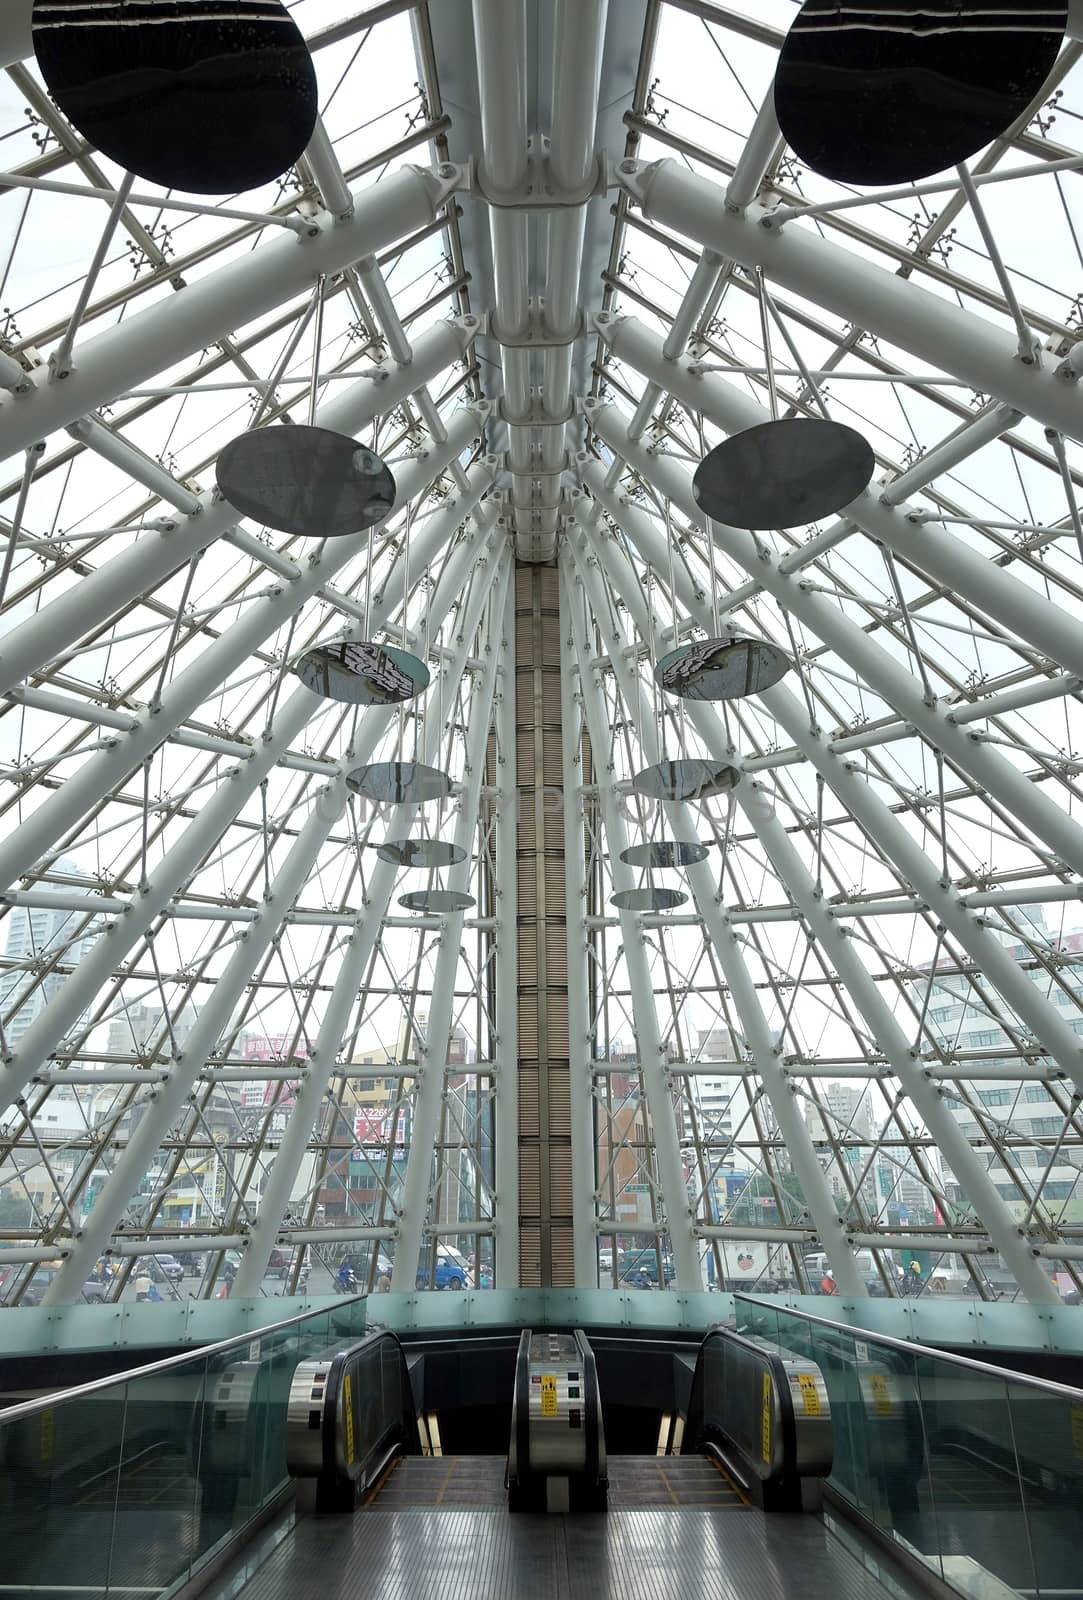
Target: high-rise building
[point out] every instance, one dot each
(36, 935)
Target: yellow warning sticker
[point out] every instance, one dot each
(1077, 1429)
(765, 1421)
(809, 1394)
(48, 1434)
(881, 1397)
(548, 1395)
(347, 1406)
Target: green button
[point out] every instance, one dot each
(573, 1394)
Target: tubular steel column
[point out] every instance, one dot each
(916, 320)
(234, 646)
(902, 1057)
(673, 1195)
(872, 664)
(152, 558)
(212, 307)
(179, 862)
(946, 559)
(858, 798)
(718, 925)
(502, 776)
(185, 1068)
(366, 931)
(581, 1038)
(432, 1058)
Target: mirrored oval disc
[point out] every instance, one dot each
(436, 900)
(421, 852)
(782, 474)
(396, 782)
(362, 674)
(649, 898)
(721, 669)
(207, 96)
(894, 91)
(665, 853)
(306, 481)
(688, 779)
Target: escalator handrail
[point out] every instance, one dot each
(696, 1437)
(911, 1348)
(519, 1448)
(596, 1466)
(336, 1376)
(237, 1341)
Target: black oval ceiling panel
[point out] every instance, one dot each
(206, 96)
(783, 474)
(307, 481)
(893, 91)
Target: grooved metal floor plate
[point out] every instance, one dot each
(657, 1554)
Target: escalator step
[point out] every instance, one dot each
(671, 1481)
(459, 1481)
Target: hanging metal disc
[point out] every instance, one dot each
(306, 481)
(207, 96)
(783, 474)
(649, 898)
(721, 669)
(687, 779)
(664, 853)
(436, 900)
(892, 91)
(362, 674)
(399, 782)
(421, 852)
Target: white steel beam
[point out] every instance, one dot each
(139, 569)
(279, 1185)
(506, 890)
(927, 326)
(104, 771)
(707, 893)
(580, 1034)
(1023, 609)
(40, 1040)
(183, 1071)
(213, 307)
(672, 1195)
(873, 665)
(860, 800)
(423, 1157)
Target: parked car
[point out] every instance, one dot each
(93, 1292)
(452, 1271)
(160, 1269)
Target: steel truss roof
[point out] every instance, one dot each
(542, 256)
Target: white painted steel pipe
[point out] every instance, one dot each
(927, 326)
(702, 879)
(861, 801)
(900, 1055)
(506, 889)
(279, 1184)
(140, 568)
(148, 342)
(1023, 609)
(580, 1033)
(98, 776)
(870, 662)
(431, 1073)
(673, 1196)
